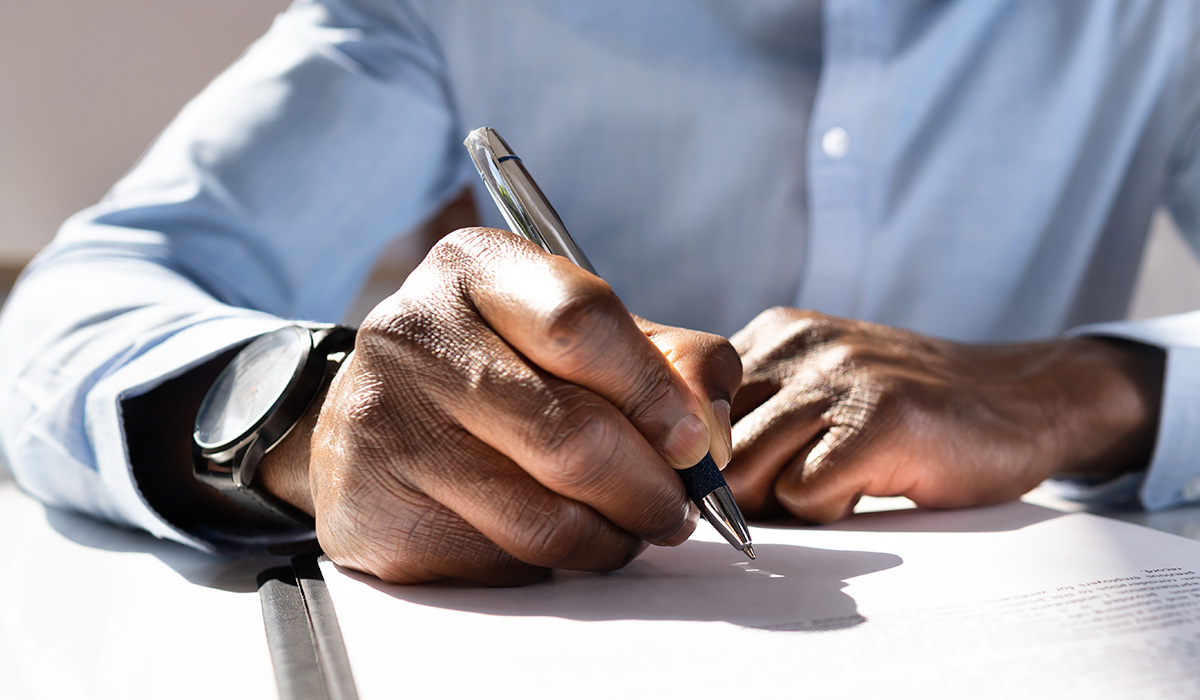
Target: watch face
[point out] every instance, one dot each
(250, 387)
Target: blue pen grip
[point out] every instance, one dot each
(702, 479)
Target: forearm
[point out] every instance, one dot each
(264, 193)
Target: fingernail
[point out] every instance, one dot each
(687, 443)
(721, 409)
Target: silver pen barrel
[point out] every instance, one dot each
(519, 198)
(531, 215)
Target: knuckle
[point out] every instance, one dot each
(849, 369)
(389, 348)
(724, 359)
(461, 248)
(770, 318)
(780, 335)
(779, 315)
(655, 385)
(811, 329)
(870, 392)
(660, 517)
(578, 327)
(580, 439)
(436, 295)
(481, 377)
(628, 550)
(837, 360)
(787, 317)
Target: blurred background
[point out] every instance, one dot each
(85, 86)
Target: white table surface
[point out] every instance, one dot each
(88, 610)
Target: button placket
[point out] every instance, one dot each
(839, 216)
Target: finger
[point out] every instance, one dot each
(570, 440)
(528, 520)
(424, 493)
(370, 519)
(587, 491)
(819, 488)
(426, 542)
(712, 370)
(756, 389)
(570, 323)
(758, 342)
(767, 440)
(847, 462)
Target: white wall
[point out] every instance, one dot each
(86, 84)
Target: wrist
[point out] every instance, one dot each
(1104, 405)
(284, 471)
(265, 401)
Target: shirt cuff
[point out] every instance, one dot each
(183, 351)
(1173, 476)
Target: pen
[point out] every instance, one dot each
(529, 214)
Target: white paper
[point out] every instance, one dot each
(1012, 601)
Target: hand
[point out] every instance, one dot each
(503, 414)
(832, 409)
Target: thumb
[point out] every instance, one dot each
(711, 368)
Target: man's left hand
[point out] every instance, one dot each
(832, 409)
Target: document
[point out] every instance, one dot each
(1010, 601)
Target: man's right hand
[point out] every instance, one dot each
(503, 414)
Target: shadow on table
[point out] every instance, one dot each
(790, 587)
(800, 590)
(236, 574)
(904, 517)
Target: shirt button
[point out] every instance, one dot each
(835, 143)
(1191, 490)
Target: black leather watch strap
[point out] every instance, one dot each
(266, 508)
(233, 474)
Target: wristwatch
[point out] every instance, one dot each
(254, 403)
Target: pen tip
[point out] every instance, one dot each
(749, 550)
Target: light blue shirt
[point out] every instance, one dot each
(980, 171)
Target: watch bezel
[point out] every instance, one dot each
(229, 467)
(273, 424)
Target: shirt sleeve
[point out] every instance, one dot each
(1173, 476)
(268, 198)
